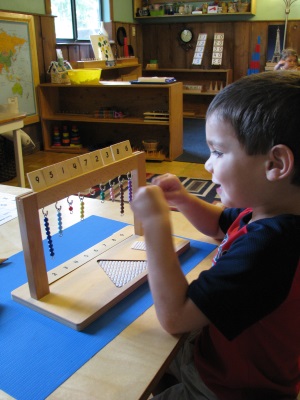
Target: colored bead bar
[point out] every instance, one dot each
(121, 196)
(59, 220)
(129, 187)
(111, 191)
(70, 202)
(102, 193)
(48, 234)
(81, 207)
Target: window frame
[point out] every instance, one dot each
(74, 25)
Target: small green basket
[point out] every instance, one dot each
(157, 13)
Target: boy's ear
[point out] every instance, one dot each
(280, 163)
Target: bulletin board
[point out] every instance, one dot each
(19, 75)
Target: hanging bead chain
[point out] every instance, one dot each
(47, 229)
(121, 195)
(129, 187)
(102, 192)
(81, 198)
(59, 220)
(70, 202)
(111, 191)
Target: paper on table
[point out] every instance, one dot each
(111, 83)
(8, 208)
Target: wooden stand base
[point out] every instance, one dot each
(81, 291)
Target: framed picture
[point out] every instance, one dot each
(19, 75)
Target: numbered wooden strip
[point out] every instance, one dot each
(121, 150)
(36, 180)
(73, 167)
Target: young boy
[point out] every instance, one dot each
(246, 307)
(288, 60)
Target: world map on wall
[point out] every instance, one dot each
(16, 77)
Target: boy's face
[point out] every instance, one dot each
(241, 177)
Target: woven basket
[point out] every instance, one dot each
(150, 145)
(7, 160)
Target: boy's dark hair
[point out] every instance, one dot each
(264, 110)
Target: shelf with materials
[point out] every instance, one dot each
(77, 104)
(126, 69)
(196, 102)
(162, 9)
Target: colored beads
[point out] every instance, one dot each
(59, 220)
(121, 195)
(129, 187)
(48, 233)
(102, 193)
(81, 206)
(111, 191)
(70, 202)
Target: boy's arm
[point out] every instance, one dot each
(204, 216)
(175, 311)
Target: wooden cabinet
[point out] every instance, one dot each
(80, 104)
(178, 9)
(199, 86)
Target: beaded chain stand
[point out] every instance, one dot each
(38, 287)
(78, 291)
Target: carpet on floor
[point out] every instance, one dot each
(203, 188)
(195, 149)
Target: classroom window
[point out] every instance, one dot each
(76, 19)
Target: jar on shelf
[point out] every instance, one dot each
(169, 9)
(180, 8)
(224, 7)
(204, 8)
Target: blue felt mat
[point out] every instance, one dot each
(38, 354)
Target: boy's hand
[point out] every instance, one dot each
(173, 190)
(149, 203)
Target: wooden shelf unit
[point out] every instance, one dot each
(138, 4)
(76, 104)
(196, 102)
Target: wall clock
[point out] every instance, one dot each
(185, 38)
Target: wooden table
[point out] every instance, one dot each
(13, 122)
(129, 366)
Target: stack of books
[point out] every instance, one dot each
(151, 116)
(155, 79)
